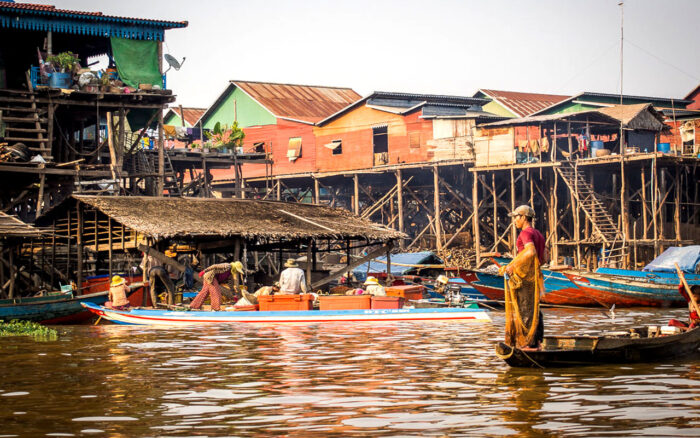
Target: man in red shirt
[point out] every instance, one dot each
(524, 324)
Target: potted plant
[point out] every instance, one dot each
(223, 137)
(63, 64)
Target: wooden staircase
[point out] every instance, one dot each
(171, 183)
(605, 229)
(26, 122)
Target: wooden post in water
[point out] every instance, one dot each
(309, 256)
(475, 218)
(79, 236)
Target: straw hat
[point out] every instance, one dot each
(291, 263)
(442, 279)
(371, 280)
(117, 280)
(237, 267)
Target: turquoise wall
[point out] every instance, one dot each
(249, 112)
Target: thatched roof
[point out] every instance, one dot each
(207, 217)
(639, 116)
(11, 226)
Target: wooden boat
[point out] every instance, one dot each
(651, 277)
(577, 288)
(62, 308)
(471, 313)
(617, 347)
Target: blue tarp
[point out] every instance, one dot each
(406, 258)
(687, 258)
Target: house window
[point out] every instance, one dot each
(294, 150)
(336, 146)
(414, 139)
(380, 139)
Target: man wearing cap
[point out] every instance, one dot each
(524, 284)
(292, 279)
(213, 277)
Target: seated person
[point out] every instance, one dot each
(372, 287)
(441, 284)
(694, 318)
(118, 291)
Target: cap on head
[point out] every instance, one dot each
(523, 210)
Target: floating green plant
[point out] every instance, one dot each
(27, 328)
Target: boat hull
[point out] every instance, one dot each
(567, 351)
(587, 289)
(181, 318)
(50, 310)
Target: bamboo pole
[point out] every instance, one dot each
(436, 206)
(513, 231)
(645, 219)
(309, 255)
(399, 202)
(109, 255)
(356, 194)
(681, 275)
(475, 218)
(495, 210)
(317, 192)
(79, 237)
(677, 206)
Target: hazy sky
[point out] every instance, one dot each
(436, 46)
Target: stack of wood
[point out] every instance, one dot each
(458, 257)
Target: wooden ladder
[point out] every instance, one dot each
(171, 183)
(26, 122)
(615, 247)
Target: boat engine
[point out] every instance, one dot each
(453, 295)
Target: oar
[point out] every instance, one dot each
(687, 288)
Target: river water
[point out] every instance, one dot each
(370, 379)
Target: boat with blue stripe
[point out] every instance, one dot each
(139, 316)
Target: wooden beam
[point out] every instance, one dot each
(436, 208)
(475, 218)
(339, 272)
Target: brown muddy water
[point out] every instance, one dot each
(370, 379)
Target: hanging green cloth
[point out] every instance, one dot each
(137, 61)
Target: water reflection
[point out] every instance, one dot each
(434, 379)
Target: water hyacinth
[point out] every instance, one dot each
(27, 328)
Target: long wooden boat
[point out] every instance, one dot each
(577, 288)
(632, 346)
(471, 313)
(651, 277)
(54, 309)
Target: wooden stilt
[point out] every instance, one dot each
(475, 217)
(645, 220)
(399, 203)
(436, 208)
(356, 194)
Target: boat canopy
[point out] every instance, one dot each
(404, 263)
(687, 258)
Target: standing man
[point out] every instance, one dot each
(524, 284)
(292, 279)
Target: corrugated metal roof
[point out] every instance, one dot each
(524, 104)
(306, 103)
(192, 115)
(626, 98)
(37, 9)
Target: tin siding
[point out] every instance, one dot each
(354, 129)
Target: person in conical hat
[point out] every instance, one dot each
(214, 276)
(118, 292)
(372, 287)
(292, 279)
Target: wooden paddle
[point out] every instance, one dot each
(687, 288)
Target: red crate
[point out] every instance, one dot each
(344, 302)
(407, 291)
(285, 302)
(387, 302)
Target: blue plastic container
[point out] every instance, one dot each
(60, 80)
(664, 147)
(596, 145)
